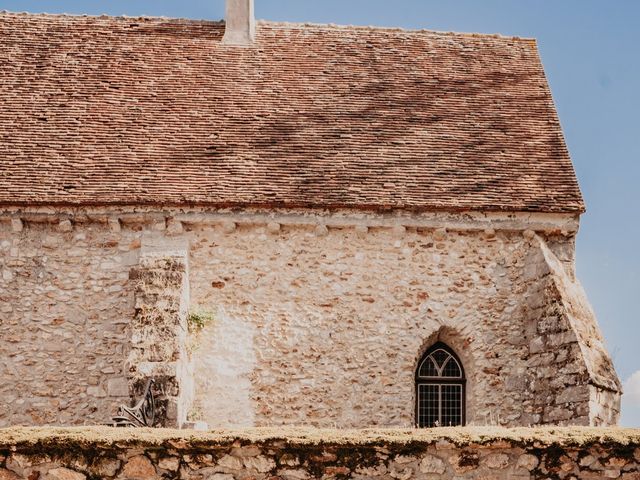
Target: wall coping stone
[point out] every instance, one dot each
(16, 437)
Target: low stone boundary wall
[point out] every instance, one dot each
(300, 454)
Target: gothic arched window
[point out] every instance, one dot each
(440, 388)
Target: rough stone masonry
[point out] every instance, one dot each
(305, 454)
(316, 319)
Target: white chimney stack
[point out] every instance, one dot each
(240, 23)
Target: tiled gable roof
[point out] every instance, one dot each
(104, 110)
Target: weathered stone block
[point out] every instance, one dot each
(174, 227)
(398, 231)
(221, 476)
(361, 230)
(118, 387)
(228, 226)
(107, 467)
(139, 467)
(8, 475)
(537, 345)
(630, 476)
(440, 234)
(169, 463)
(230, 462)
(527, 461)
(432, 464)
(574, 394)
(114, 224)
(332, 472)
(260, 463)
(273, 228)
(65, 474)
(496, 461)
(294, 474)
(321, 230)
(17, 225)
(65, 225)
(96, 391)
(159, 225)
(248, 451)
(557, 414)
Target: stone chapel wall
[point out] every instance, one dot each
(65, 306)
(312, 325)
(333, 323)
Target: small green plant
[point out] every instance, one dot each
(199, 318)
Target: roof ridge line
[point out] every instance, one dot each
(273, 23)
(106, 16)
(335, 26)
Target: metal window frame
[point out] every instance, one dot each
(440, 381)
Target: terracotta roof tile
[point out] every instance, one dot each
(104, 110)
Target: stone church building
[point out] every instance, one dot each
(295, 224)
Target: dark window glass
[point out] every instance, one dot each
(451, 405)
(440, 356)
(451, 369)
(428, 368)
(428, 396)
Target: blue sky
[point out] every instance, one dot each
(590, 50)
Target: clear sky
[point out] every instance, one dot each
(591, 53)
